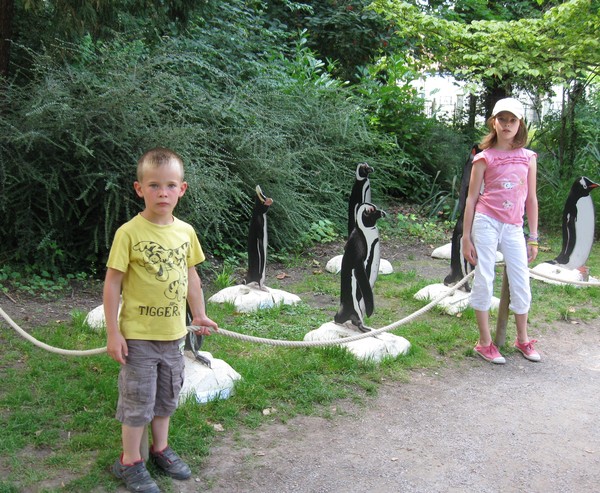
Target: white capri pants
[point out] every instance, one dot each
(490, 235)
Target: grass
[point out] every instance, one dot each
(57, 412)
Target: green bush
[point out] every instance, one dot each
(71, 137)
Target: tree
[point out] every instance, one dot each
(341, 31)
(560, 47)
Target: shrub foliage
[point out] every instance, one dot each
(71, 136)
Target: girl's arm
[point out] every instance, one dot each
(195, 301)
(116, 347)
(531, 208)
(475, 182)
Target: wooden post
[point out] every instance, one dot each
(144, 445)
(502, 321)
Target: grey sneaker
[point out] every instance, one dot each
(136, 477)
(171, 464)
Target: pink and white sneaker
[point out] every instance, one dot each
(528, 350)
(490, 353)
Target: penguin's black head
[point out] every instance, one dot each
(363, 170)
(584, 185)
(369, 214)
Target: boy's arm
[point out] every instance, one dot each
(195, 301)
(116, 346)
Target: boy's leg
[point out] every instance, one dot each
(132, 440)
(130, 467)
(160, 432)
(170, 380)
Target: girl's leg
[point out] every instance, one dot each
(485, 234)
(483, 323)
(514, 249)
(485, 347)
(523, 343)
(512, 245)
(521, 322)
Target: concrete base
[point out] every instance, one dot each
(249, 297)
(335, 265)
(370, 348)
(456, 303)
(563, 274)
(445, 252)
(205, 384)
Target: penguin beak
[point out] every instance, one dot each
(262, 197)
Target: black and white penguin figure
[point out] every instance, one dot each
(360, 194)
(459, 266)
(194, 342)
(578, 223)
(257, 239)
(360, 266)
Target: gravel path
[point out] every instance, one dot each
(474, 428)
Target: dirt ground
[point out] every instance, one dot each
(477, 427)
(468, 427)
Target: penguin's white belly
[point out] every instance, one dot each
(584, 233)
(373, 253)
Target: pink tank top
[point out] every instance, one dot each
(505, 184)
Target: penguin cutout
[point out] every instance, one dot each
(193, 342)
(578, 222)
(211, 379)
(253, 294)
(360, 194)
(459, 266)
(257, 239)
(360, 266)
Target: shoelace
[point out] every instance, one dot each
(490, 350)
(528, 346)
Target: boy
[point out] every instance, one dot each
(152, 260)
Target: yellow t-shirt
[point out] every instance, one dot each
(155, 260)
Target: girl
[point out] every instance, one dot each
(493, 220)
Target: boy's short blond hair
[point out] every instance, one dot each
(154, 158)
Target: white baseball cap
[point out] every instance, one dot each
(511, 105)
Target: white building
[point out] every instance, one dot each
(447, 98)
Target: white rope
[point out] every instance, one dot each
(346, 340)
(244, 337)
(52, 349)
(535, 274)
(278, 342)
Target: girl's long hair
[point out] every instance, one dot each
(490, 140)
